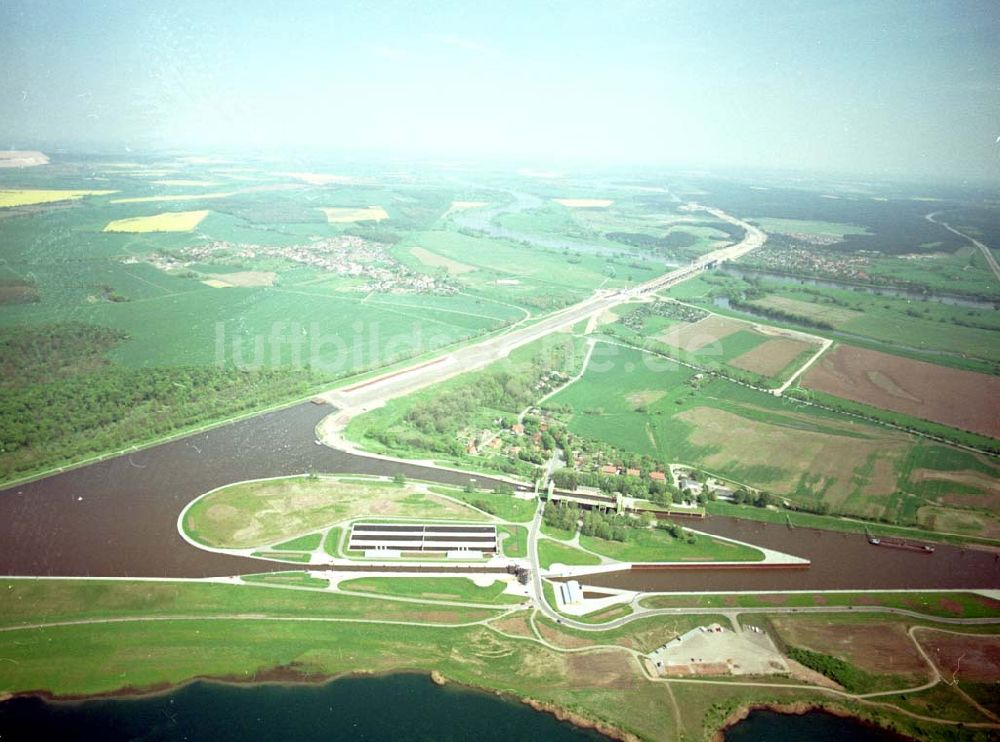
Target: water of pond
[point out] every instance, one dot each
(393, 708)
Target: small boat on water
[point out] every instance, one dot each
(898, 543)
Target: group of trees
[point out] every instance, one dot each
(761, 499)
(609, 526)
(677, 532)
(564, 516)
(597, 523)
(640, 487)
(61, 399)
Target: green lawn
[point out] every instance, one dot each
(459, 589)
(331, 544)
(563, 534)
(953, 605)
(309, 542)
(655, 545)
(550, 552)
(506, 507)
(516, 543)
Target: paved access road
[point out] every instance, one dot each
(360, 397)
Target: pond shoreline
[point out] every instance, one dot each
(793, 708)
(290, 675)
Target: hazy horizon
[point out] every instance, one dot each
(898, 89)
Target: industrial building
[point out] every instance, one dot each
(395, 539)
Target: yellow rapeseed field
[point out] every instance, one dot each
(344, 214)
(170, 221)
(180, 197)
(28, 197)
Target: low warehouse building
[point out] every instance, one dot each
(420, 537)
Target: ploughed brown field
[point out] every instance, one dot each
(771, 357)
(973, 658)
(961, 399)
(696, 335)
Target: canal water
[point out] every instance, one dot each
(839, 561)
(119, 518)
(815, 726)
(392, 708)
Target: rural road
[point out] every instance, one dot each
(358, 398)
(987, 253)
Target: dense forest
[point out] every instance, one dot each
(63, 400)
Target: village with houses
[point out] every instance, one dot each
(345, 255)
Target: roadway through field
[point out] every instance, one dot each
(357, 399)
(984, 249)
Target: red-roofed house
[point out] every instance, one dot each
(517, 428)
(609, 469)
(632, 472)
(659, 476)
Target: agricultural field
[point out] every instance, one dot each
(714, 341)
(772, 357)
(648, 405)
(31, 197)
(172, 197)
(959, 399)
(169, 221)
(538, 279)
(347, 215)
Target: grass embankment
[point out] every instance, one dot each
(309, 542)
(291, 579)
(27, 601)
(253, 513)
(834, 523)
(603, 615)
(642, 634)
(93, 659)
(551, 552)
(951, 605)
(285, 556)
(331, 543)
(457, 589)
(655, 545)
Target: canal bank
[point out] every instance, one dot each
(118, 518)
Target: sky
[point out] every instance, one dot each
(902, 88)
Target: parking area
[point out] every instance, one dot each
(717, 650)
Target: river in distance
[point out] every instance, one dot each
(389, 708)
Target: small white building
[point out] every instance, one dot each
(570, 592)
